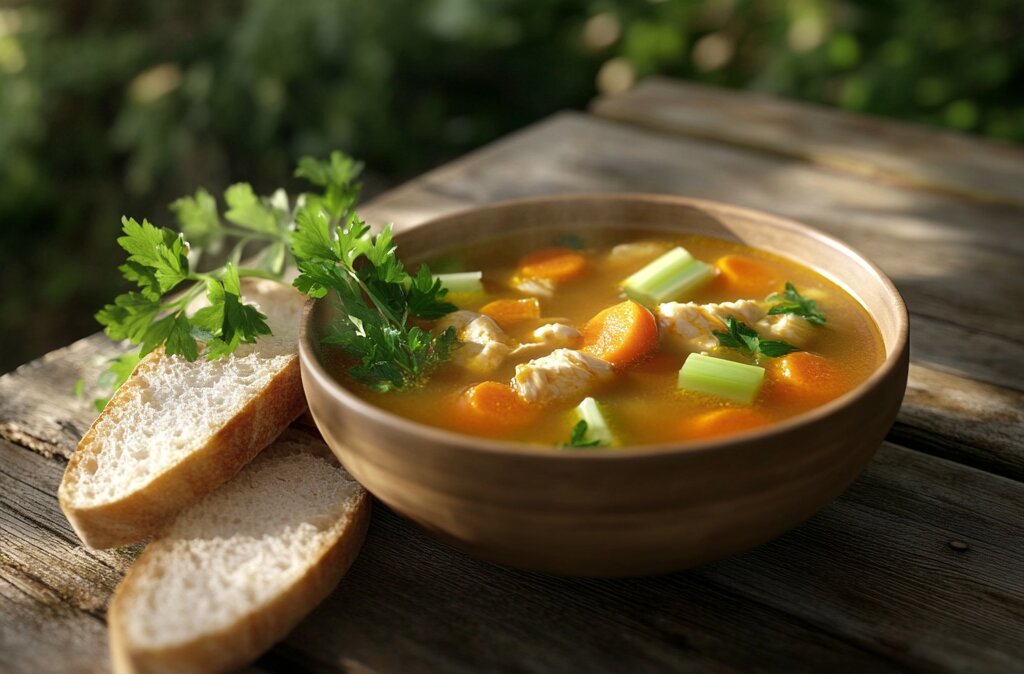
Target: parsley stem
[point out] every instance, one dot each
(381, 306)
(197, 288)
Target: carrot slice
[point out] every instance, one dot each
(555, 264)
(507, 313)
(724, 422)
(621, 334)
(804, 379)
(746, 276)
(492, 409)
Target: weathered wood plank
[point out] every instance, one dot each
(52, 590)
(963, 420)
(876, 569)
(39, 634)
(919, 156)
(38, 408)
(879, 581)
(954, 262)
(66, 583)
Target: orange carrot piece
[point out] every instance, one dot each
(804, 379)
(746, 276)
(491, 409)
(555, 264)
(507, 313)
(725, 421)
(621, 334)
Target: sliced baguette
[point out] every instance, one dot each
(176, 430)
(237, 571)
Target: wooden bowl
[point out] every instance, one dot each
(632, 511)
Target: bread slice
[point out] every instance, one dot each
(176, 430)
(237, 571)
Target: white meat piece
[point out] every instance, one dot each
(484, 344)
(457, 319)
(547, 338)
(635, 251)
(561, 375)
(537, 287)
(688, 327)
(790, 328)
(557, 333)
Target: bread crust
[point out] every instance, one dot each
(149, 508)
(245, 639)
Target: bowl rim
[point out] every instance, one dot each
(471, 443)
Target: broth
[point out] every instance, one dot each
(643, 404)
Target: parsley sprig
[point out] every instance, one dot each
(321, 235)
(158, 263)
(744, 338)
(792, 302)
(376, 298)
(578, 438)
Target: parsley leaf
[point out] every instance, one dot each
(337, 176)
(792, 302)
(578, 438)
(158, 263)
(198, 219)
(157, 257)
(742, 337)
(375, 297)
(247, 210)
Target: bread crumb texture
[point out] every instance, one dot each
(170, 407)
(237, 549)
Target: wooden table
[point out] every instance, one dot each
(918, 567)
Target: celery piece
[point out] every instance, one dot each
(725, 378)
(670, 277)
(465, 282)
(597, 427)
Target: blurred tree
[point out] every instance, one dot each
(110, 107)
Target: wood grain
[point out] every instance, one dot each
(922, 611)
(872, 583)
(918, 156)
(963, 420)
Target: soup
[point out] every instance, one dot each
(607, 339)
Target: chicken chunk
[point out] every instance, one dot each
(689, 327)
(484, 344)
(537, 287)
(637, 251)
(795, 330)
(547, 338)
(563, 374)
(557, 333)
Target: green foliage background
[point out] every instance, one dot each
(111, 108)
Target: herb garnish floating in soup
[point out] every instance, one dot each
(607, 342)
(377, 302)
